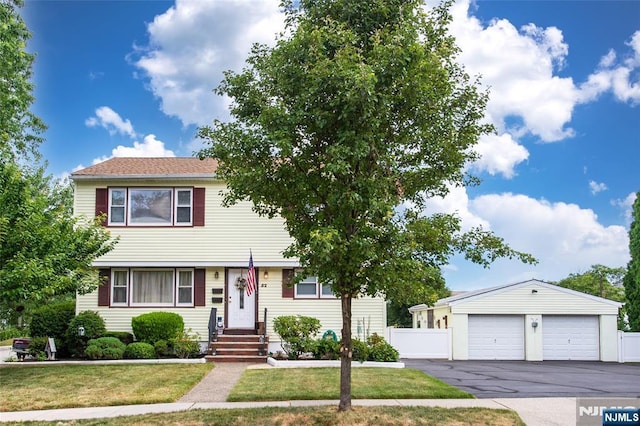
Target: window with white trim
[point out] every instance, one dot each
(307, 288)
(310, 288)
(152, 287)
(185, 287)
(151, 206)
(117, 205)
(120, 287)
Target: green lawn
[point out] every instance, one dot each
(281, 384)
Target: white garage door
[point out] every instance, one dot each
(496, 337)
(566, 337)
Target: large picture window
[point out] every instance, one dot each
(151, 206)
(152, 287)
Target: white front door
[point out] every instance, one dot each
(240, 307)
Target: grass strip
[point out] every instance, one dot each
(282, 384)
(64, 386)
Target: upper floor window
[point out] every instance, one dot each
(151, 206)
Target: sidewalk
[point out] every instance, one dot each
(212, 392)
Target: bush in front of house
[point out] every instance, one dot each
(139, 350)
(380, 350)
(162, 348)
(297, 333)
(105, 348)
(93, 327)
(185, 344)
(52, 320)
(326, 348)
(124, 336)
(360, 350)
(154, 326)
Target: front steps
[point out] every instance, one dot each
(238, 348)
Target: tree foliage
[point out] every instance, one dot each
(601, 281)
(357, 116)
(632, 278)
(20, 129)
(44, 251)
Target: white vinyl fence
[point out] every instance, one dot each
(420, 342)
(628, 347)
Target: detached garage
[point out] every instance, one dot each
(531, 320)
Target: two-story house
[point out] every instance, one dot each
(180, 250)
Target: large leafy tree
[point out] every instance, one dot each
(44, 251)
(601, 281)
(344, 129)
(20, 129)
(632, 278)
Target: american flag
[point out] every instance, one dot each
(251, 276)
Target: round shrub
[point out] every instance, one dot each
(326, 348)
(297, 333)
(52, 320)
(155, 326)
(360, 350)
(383, 352)
(139, 350)
(105, 348)
(94, 327)
(162, 348)
(124, 336)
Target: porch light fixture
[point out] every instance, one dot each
(216, 275)
(266, 274)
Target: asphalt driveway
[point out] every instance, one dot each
(523, 379)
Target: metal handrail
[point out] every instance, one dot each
(213, 326)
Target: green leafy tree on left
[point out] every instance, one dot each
(44, 251)
(20, 128)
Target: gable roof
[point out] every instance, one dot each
(484, 292)
(146, 167)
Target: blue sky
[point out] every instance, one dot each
(135, 78)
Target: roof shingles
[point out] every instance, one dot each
(129, 166)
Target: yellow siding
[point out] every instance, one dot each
(227, 236)
(367, 310)
(521, 300)
(196, 318)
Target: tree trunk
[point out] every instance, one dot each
(346, 353)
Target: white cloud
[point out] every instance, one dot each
(620, 76)
(149, 147)
(109, 119)
(518, 66)
(596, 187)
(627, 206)
(193, 42)
(499, 154)
(565, 238)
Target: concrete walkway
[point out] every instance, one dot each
(212, 392)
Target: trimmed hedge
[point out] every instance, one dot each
(52, 320)
(105, 348)
(139, 350)
(124, 336)
(155, 326)
(94, 327)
